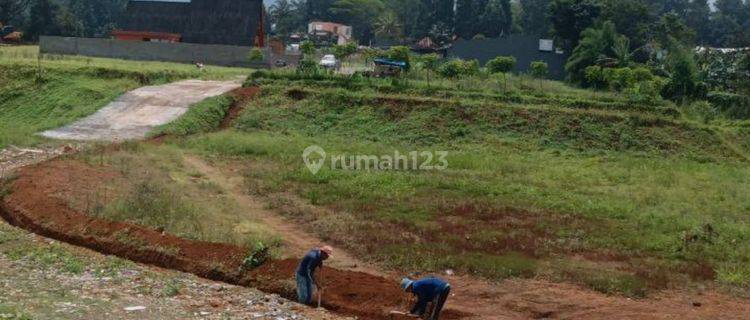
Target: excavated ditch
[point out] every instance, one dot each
(29, 205)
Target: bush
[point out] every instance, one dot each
(620, 79)
(539, 69)
(732, 105)
(430, 61)
(701, 111)
(596, 77)
(400, 53)
(471, 67)
(457, 68)
(255, 55)
(501, 64)
(307, 47)
(684, 74)
(257, 256)
(307, 67)
(344, 51)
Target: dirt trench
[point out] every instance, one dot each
(30, 205)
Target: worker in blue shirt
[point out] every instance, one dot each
(427, 290)
(306, 272)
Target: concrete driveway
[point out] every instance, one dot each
(137, 112)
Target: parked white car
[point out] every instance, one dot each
(329, 61)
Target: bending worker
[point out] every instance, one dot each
(306, 272)
(427, 290)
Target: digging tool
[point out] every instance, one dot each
(400, 314)
(320, 289)
(320, 297)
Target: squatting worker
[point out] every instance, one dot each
(428, 289)
(306, 272)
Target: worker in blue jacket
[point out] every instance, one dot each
(305, 274)
(427, 290)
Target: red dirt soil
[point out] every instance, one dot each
(241, 97)
(32, 205)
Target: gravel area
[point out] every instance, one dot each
(45, 279)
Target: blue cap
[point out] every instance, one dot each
(406, 283)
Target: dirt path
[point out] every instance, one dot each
(137, 112)
(509, 299)
(296, 241)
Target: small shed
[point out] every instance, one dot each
(524, 48)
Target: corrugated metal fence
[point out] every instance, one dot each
(223, 55)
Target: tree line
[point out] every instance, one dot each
(83, 18)
(564, 20)
(641, 21)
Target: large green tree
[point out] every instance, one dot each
(42, 19)
(597, 46)
(570, 17)
(287, 16)
(496, 18)
(11, 11)
(698, 18)
(360, 14)
(633, 18)
(466, 13)
(97, 17)
(534, 20)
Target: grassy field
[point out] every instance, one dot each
(155, 187)
(619, 200)
(543, 180)
(66, 88)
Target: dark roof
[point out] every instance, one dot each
(524, 48)
(231, 22)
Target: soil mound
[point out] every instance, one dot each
(241, 97)
(31, 205)
(346, 292)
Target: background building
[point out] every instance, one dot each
(229, 22)
(342, 33)
(524, 48)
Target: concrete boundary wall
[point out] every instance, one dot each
(223, 55)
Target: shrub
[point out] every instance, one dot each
(344, 51)
(307, 67)
(457, 67)
(471, 67)
(700, 111)
(642, 74)
(400, 53)
(732, 105)
(596, 77)
(430, 61)
(501, 64)
(620, 79)
(307, 47)
(257, 256)
(684, 74)
(255, 55)
(451, 69)
(539, 69)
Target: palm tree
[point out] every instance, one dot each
(387, 26)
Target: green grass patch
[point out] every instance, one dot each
(52, 256)
(204, 116)
(65, 88)
(525, 182)
(10, 313)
